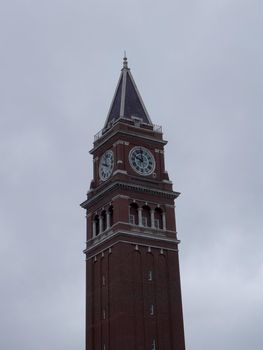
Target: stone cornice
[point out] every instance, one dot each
(131, 234)
(130, 187)
(125, 133)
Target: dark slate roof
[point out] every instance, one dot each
(127, 101)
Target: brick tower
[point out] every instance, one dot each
(133, 293)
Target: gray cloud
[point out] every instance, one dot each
(198, 65)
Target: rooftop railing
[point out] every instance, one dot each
(98, 135)
(155, 128)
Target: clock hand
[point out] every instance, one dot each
(141, 155)
(140, 158)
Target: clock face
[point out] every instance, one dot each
(106, 165)
(142, 161)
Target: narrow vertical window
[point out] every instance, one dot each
(96, 226)
(152, 310)
(150, 275)
(111, 215)
(104, 220)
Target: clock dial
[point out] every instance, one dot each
(106, 165)
(142, 161)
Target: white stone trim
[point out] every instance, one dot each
(118, 171)
(121, 142)
(110, 135)
(104, 237)
(134, 186)
(120, 196)
(167, 182)
(169, 206)
(136, 244)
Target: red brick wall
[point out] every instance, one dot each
(127, 296)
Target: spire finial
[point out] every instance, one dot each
(125, 61)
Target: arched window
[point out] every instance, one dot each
(133, 218)
(111, 215)
(146, 216)
(104, 220)
(96, 225)
(158, 218)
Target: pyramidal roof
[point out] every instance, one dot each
(127, 101)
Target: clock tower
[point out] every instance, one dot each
(133, 293)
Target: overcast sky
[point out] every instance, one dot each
(198, 66)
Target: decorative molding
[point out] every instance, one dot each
(120, 196)
(118, 171)
(148, 230)
(131, 187)
(129, 134)
(149, 203)
(157, 150)
(121, 142)
(167, 182)
(106, 235)
(136, 244)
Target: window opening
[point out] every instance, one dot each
(152, 310)
(132, 219)
(103, 280)
(146, 216)
(158, 216)
(150, 275)
(104, 220)
(97, 225)
(156, 223)
(144, 221)
(111, 215)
